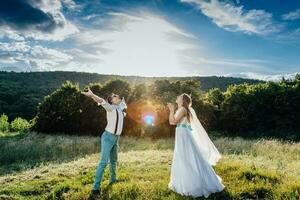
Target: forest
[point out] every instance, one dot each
(248, 110)
(20, 92)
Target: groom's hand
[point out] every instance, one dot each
(88, 93)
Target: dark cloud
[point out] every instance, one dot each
(22, 15)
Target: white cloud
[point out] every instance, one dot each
(236, 18)
(42, 58)
(42, 52)
(140, 44)
(71, 5)
(130, 45)
(32, 57)
(89, 17)
(127, 44)
(49, 6)
(292, 15)
(291, 37)
(14, 47)
(61, 34)
(64, 28)
(199, 64)
(232, 62)
(13, 52)
(11, 35)
(264, 77)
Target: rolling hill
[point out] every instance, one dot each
(20, 92)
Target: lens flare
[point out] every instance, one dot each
(148, 119)
(149, 113)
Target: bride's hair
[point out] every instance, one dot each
(186, 103)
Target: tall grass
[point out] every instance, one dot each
(63, 167)
(32, 149)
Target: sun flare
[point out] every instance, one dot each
(148, 113)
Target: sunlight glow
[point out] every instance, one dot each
(148, 119)
(147, 112)
(146, 45)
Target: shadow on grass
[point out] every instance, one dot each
(23, 166)
(29, 150)
(104, 193)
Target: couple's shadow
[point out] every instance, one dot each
(104, 193)
(224, 195)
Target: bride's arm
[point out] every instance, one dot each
(176, 118)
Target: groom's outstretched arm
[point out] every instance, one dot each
(98, 100)
(90, 94)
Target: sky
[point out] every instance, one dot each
(241, 38)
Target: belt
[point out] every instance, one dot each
(185, 126)
(111, 133)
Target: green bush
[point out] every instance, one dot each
(19, 124)
(262, 107)
(4, 124)
(266, 109)
(67, 111)
(60, 111)
(215, 97)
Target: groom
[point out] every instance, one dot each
(114, 107)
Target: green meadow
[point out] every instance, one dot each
(39, 166)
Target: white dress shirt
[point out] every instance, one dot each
(115, 116)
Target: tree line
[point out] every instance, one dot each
(247, 110)
(20, 92)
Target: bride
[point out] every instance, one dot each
(194, 153)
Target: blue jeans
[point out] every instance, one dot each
(109, 151)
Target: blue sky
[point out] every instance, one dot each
(253, 39)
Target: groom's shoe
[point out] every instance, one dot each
(96, 192)
(114, 181)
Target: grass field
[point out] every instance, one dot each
(37, 166)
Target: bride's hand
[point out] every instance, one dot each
(171, 106)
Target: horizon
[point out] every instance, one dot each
(184, 38)
(266, 78)
(141, 76)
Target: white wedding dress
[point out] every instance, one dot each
(194, 154)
